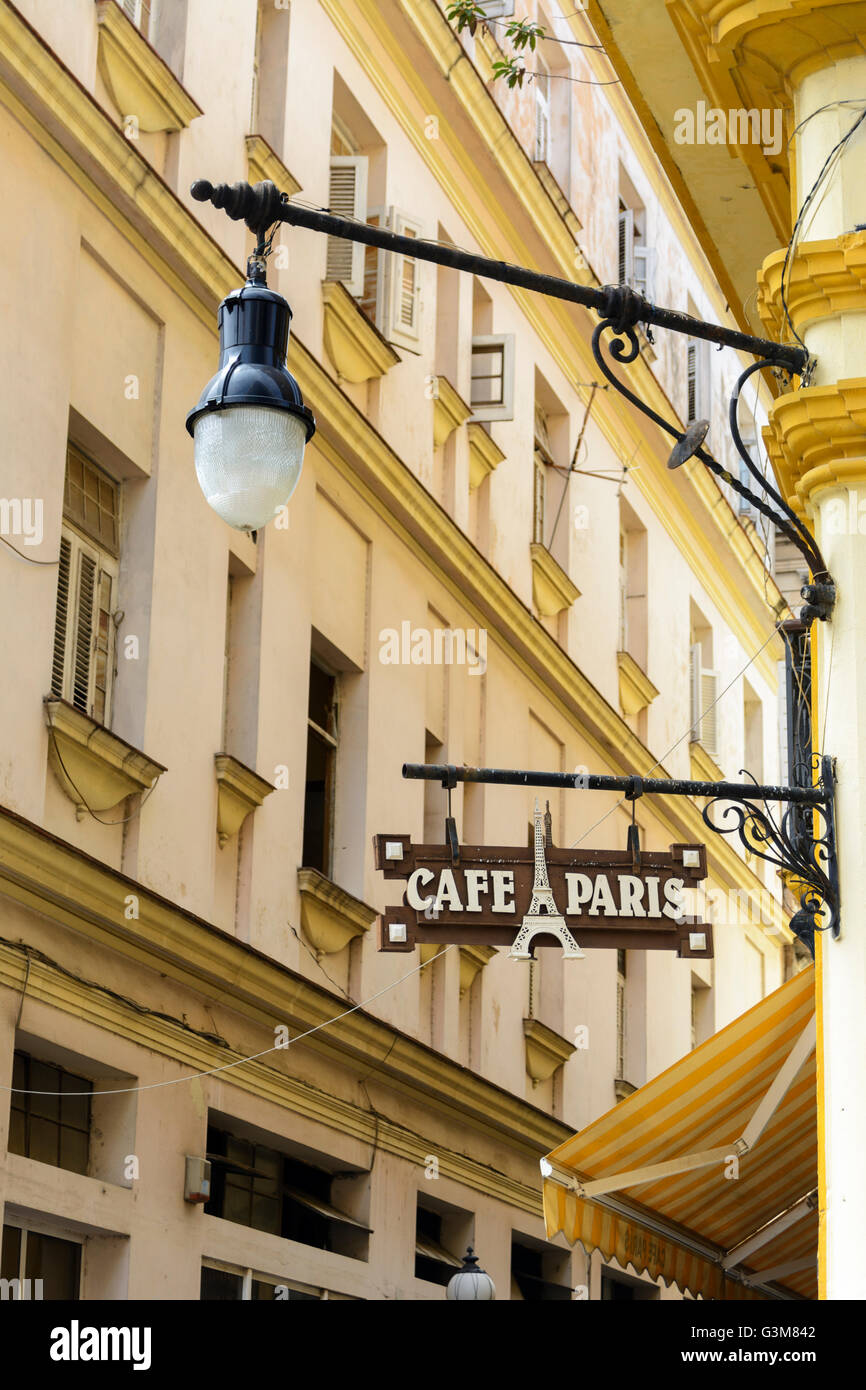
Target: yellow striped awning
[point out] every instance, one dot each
(707, 1175)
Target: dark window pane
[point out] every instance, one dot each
(218, 1284)
(56, 1262)
(10, 1253)
(44, 1078)
(73, 1151)
(43, 1143)
(17, 1142)
(321, 702)
(263, 1292)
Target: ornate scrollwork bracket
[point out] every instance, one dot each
(801, 842)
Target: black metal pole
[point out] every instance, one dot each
(261, 206)
(631, 786)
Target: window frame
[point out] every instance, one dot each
(44, 1228)
(504, 408)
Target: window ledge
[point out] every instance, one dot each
(239, 791)
(95, 768)
(472, 961)
(552, 589)
(636, 690)
(449, 411)
(484, 455)
(139, 82)
(354, 345)
(557, 197)
(545, 1050)
(330, 916)
(265, 164)
(704, 768)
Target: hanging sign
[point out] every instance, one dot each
(628, 899)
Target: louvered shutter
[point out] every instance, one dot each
(626, 246)
(539, 499)
(84, 621)
(61, 620)
(709, 712)
(704, 394)
(542, 112)
(371, 299)
(691, 381)
(347, 198)
(695, 691)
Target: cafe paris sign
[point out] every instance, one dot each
(630, 899)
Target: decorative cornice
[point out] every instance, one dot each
(484, 454)
(354, 344)
(263, 163)
(636, 690)
(239, 791)
(703, 767)
(816, 437)
(473, 960)
(552, 590)
(330, 916)
(140, 83)
(95, 768)
(545, 1050)
(449, 411)
(822, 279)
(65, 886)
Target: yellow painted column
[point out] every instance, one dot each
(817, 439)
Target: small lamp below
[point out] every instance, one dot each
(688, 444)
(470, 1282)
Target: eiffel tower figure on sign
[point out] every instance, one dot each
(543, 915)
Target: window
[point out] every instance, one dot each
(701, 1007)
(620, 1014)
(321, 763)
(543, 462)
(32, 1256)
(618, 1287)
(433, 1261)
(492, 389)
(495, 9)
(260, 1187)
(704, 684)
(541, 87)
(698, 395)
(83, 661)
(753, 732)
(536, 1271)
(51, 1128)
(139, 12)
(391, 294)
(347, 197)
(225, 1285)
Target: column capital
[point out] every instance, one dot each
(823, 279)
(816, 438)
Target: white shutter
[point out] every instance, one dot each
(82, 666)
(709, 712)
(372, 297)
(691, 381)
(644, 271)
(403, 287)
(541, 82)
(695, 691)
(704, 401)
(626, 246)
(347, 198)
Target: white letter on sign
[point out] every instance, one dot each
(416, 882)
(476, 883)
(631, 896)
(579, 892)
(448, 895)
(674, 898)
(602, 899)
(503, 882)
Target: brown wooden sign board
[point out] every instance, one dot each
(542, 896)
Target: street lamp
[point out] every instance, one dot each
(470, 1281)
(250, 425)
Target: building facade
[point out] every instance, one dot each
(486, 561)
